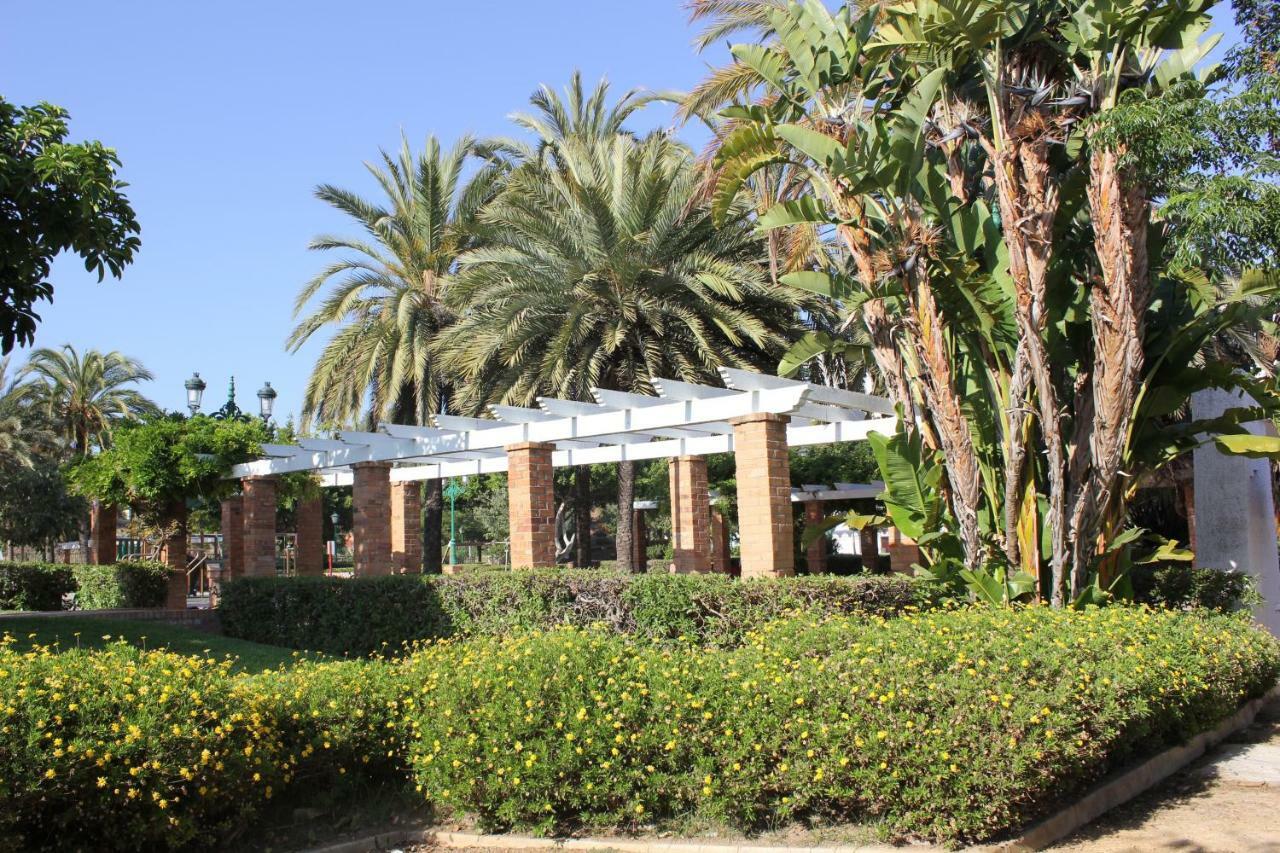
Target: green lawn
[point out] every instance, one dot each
(71, 632)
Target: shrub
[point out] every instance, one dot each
(123, 749)
(123, 585)
(365, 615)
(1181, 586)
(34, 586)
(950, 726)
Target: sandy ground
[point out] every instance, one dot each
(1227, 802)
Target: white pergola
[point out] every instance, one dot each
(683, 420)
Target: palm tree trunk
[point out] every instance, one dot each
(582, 514)
(433, 518)
(626, 527)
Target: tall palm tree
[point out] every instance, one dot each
(385, 291)
(84, 396)
(603, 271)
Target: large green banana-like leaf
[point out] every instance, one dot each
(806, 209)
(1247, 444)
(810, 346)
(815, 530)
(819, 147)
(908, 497)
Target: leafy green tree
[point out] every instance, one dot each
(54, 196)
(384, 293)
(36, 509)
(85, 396)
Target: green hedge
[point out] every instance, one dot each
(947, 726)
(41, 586)
(366, 615)
(952, 726)
(1182, 586)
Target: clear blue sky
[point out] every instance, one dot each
(227, 114)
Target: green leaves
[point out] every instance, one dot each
(806, 209)
(810, 346)
(1247, 444)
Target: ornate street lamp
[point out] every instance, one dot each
(453, 491)
(266, 401)
(195, 391)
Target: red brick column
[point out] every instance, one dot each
(311, 556)
(531, 504)
(690, 514)
(816, 556)
(869, 548)
(175, 556)
(720, 556)
(102, 533)
(371, 511)
(639, 540)
(232, 537)
(406, 527)
(764, 495)
(903, 551)
(259, 513)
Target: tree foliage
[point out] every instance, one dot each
(55, 196)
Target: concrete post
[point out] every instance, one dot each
(690, 514)
(311, 556)
(531, 504)
(102, 533)
(259, 515)
(371, 522)
(406, 527)
(764, 495)
(816, 556)
(1235, 510)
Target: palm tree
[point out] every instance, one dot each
(602, 271)
(385, 292)
(84, 396)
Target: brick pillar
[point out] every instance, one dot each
(259, 516)
(869, 548)
(690, 514)
(371, 511)
(531, 504)
(719, 543)
(764, 495)
(639, 540)
(232, 537)
(175, 556)
(102, 533)
(406, 527)
(816, 556)
(310, 552)
(903, 551)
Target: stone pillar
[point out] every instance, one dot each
(406, 527)
(1234, 505)
(310, 551)
(259, 516)
(720, 556)
(531, 504)
(371, 524)
(869, 548)
(816, 555)
(175, 556)
(690, 514)
(765, 529)
(232, 538)
(903, 552)
(102, 534)
(639, 540)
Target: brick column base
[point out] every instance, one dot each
(816, 555)
(764, 495)
(869, 548)
(259, 527)
(371, 511)
(531, 504)
(310, 552)
(406, 527)
(690, 515)
(102, 533)
(903, 552)
(721, 561)
(639, 540)
(232, 537)
(175, 557)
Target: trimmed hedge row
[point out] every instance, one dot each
(367, 615)
(950, 725)
(41, 586)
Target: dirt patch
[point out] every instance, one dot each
(1203, 809)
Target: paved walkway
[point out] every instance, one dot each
(1227, 802)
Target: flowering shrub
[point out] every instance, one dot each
(365, 615)
(948, 725)
(147, 750)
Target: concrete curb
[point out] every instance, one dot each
(1119, 788)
